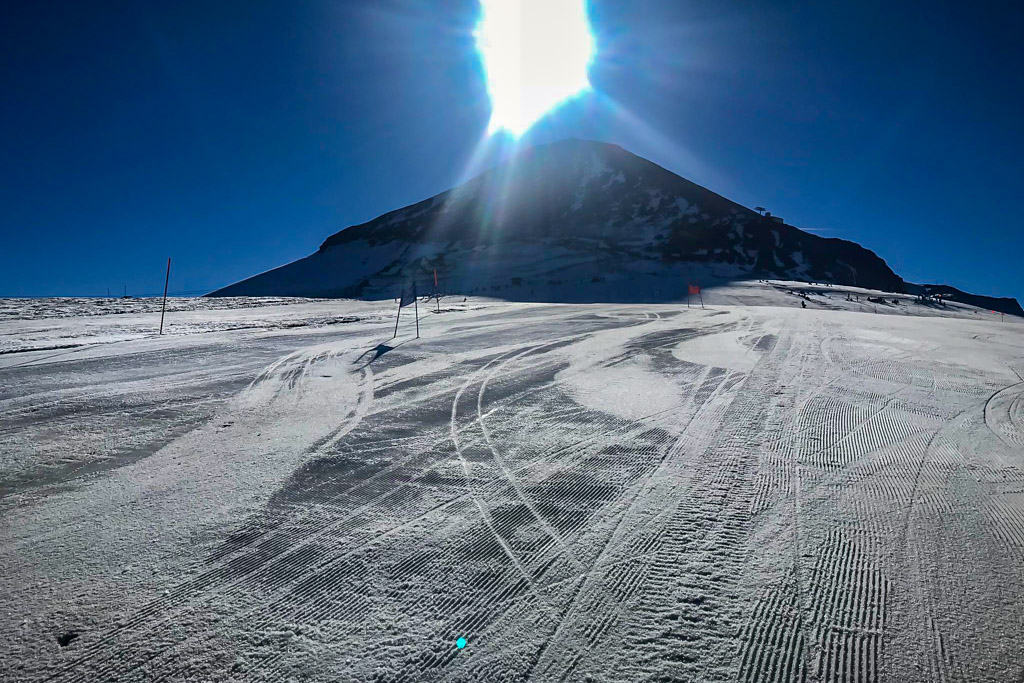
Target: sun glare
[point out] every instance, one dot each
(536, 54)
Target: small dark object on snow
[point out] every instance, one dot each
(65, 639)
(803, 304)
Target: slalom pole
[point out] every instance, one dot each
(163, 309)
(401, 296)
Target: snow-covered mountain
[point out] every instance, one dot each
(569, 221)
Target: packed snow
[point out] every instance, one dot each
(752, 490)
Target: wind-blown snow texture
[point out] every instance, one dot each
(555, 217)
(584, 492)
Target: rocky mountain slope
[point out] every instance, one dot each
(559, 217)
(1000, 304)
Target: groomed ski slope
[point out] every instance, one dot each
(582, 492)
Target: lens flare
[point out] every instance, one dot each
(536, 54)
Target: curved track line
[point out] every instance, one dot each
(509, 474)
(995, 425)
(469, 485)
(611, 545)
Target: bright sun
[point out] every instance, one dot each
(535, 54)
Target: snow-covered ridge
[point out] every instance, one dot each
(588, 211)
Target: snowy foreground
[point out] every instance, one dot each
(278, 491)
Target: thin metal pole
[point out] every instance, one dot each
(401, 296)
(163, 309)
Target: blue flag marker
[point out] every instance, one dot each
(460, 643)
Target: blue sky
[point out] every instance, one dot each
(236, 136)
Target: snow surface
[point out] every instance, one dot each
(732, 350)
(751, 491)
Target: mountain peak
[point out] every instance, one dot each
(567, 189)
(563, 214)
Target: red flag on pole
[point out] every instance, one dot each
(694, 289)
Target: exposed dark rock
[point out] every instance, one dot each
(64, 639)
(999, 304)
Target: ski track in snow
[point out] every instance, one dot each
(583, 492)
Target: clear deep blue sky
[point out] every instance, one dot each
(236, 136)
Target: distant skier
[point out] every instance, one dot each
(803, 304)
